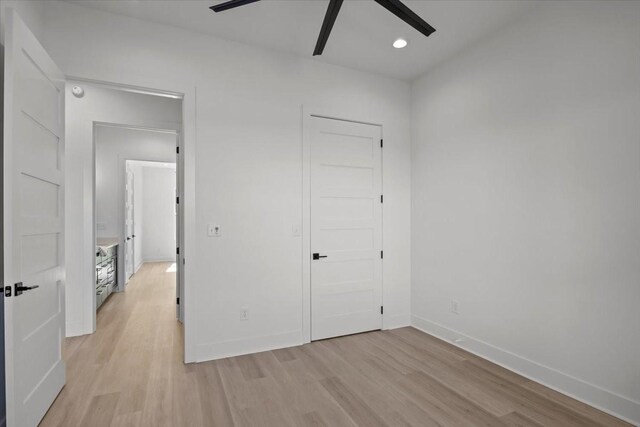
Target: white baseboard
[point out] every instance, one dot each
(396, 321)
(607, 401)
(137, 267)
(171, 259)
(75, 329)
(231, 348)
(220, 350)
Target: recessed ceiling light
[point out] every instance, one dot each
(400, 43)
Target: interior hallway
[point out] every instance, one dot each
(130, 373)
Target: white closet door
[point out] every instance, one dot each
(346, 227)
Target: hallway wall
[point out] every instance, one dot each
(113, 147)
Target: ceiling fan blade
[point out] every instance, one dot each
(407, 15)
(230, 5)
(327, 25)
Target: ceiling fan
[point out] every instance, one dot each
(394, 6)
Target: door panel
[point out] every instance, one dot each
(179, 232)
(33, 209)
(129, 249)
(346, 227)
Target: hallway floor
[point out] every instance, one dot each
(130, 373)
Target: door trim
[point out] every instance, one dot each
(178, 89)
(307, 114)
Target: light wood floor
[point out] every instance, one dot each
(130, 373)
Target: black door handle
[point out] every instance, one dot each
(128, 238)
(318, 256)
(133, 235)
(20, 288)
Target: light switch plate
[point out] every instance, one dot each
(213, 230)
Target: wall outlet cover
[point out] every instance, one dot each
(454, 306)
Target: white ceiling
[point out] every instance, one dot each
(362, 35)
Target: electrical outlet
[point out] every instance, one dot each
(454, 306)
(244, 313)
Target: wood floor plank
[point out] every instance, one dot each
(130, 373)
(572, 404)
(450, 374)
(361, 413)
(213, 401)
(313, 419)
(101, 410)
(515, 419)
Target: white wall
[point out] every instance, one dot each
(31, 12)
(526, 202)
(248, 164)
(106, 106)
(159, 218)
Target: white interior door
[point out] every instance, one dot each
(346, 227)
(179, 234)
(33, 212)
(129, 224)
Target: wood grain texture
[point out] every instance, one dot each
(130, 373)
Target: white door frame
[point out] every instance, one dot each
(307, 113)
(121, 182)
(122, 163)
(187, 144)
(133, 225)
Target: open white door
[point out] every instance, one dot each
(129, 223)
(179, 235)
(33, 208)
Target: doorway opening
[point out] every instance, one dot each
(136, 214)
(134, 167)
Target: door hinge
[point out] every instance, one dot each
(178, 300)
(381, 254)
(177, 251)
(7, 291)
(381, 198)
(177, 200)
(381, 143)
(381, 309)
(177, 150)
